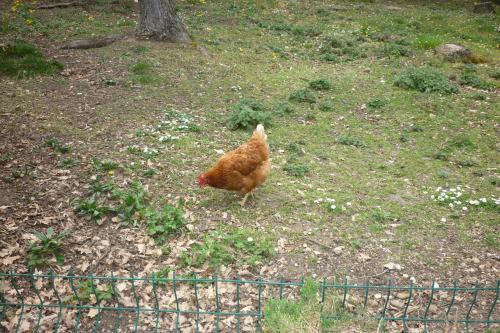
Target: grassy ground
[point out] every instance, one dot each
(353, 173)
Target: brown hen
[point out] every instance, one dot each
(242, 169)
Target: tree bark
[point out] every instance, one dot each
(159, 21)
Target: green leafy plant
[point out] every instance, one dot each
(377, 103)
(294, 148)
(47, 245)
(4, 158)
(470, 78)
(283, 108)
(98, 187)
(330, 57)
(24, 60)
(295, 169)
(56, 145)
(427, 41)
(87, 289)
(149, 173)
(287, 315)
(247, 114)
(132, 203)
(222, 248)
(302, 96)
(320, 84)
(326, 106)
(393, 50)
(278, 50)
(68, 163)
(167, 221)
(461, 141)
(425, 79)
(350, 141)
(104, 165)
(91, 208)
(143, 73)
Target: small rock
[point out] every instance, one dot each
(416, 330)
(403, 295)
(338, 250)
(453, 52)
(364, 257)
(433, 308)
(377, 296)
(484, 7)
(476, 260)
(392, 266)
(190, 227)
(397, 303)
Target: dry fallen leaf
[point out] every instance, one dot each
(92, 313)
(9, 260)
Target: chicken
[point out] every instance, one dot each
(242, 169)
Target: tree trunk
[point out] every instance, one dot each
(159, 21)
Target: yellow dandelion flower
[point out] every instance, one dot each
(29, 21)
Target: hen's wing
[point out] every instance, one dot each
(244, 160)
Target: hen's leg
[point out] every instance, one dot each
(242, 202)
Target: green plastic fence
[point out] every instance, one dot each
(50, 302)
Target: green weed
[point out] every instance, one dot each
(104, 165)
(24, 60)
(350, 141)
(5, 158)
(283, 108)
(330, 57)
(320, 84)
(326, 106)
(425, 79)
(302, 315)
(302, 96)
(278, 50)
(377, 103)
(469, 78)
(427, 41)
(97, 187)
(247, 114)
(222, 248)
(167, 221)
(68, 163)
(132, 203)
(91, 208)
(295, 169)
(48, 244)
(87, 290)
(143, 72)
(393, 50)
(56, 145)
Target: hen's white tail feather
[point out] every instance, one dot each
(260, 131)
